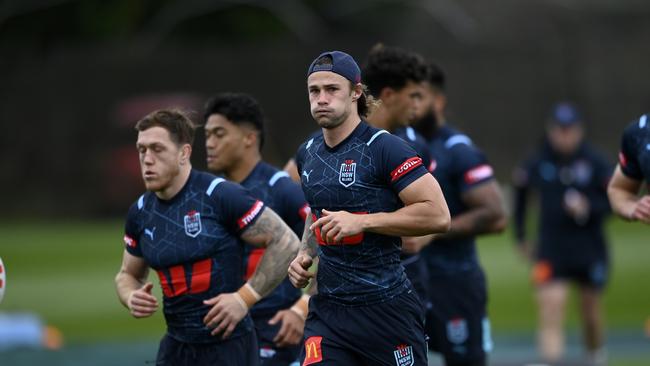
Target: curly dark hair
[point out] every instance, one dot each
(392, 67)
(238, 108)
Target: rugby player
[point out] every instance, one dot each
(457, 322)
(189, 227)
(366, 188)
(234, 137)
(570, 177)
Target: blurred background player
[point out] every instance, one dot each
(234, 137)
(394, 76)
(632, 171)
(187, 227)
(366, 188)
(457, 322)
(571, 178)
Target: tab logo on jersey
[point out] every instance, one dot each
(129, 241)
(622, 159)
(478, 174)
(404, 355)
(192, 224)
(405, 167)
(457, 330)
(250, 215)
(347, 174)
(313, 351)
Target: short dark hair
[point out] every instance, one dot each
(392, 67)
(436, 76)
(238, 108)
(175, 121)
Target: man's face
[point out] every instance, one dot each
(225, 143)
(330, 98)
(160, 158)
(405, 103)
(565, 139)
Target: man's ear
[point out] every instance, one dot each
(357, 90)
(186, 153)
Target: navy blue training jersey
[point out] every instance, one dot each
(458, 166)
(192, 243)
(362, 174)
(634, 157)
(418, 143)
(284, 196)
(561, 238)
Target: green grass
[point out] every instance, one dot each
(64, 271)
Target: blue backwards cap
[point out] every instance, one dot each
(342, 64)
(565, 114)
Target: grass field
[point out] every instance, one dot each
(64, 272)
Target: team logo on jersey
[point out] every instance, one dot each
(404, 355)
(267, 352)
(129, 241)
(347, 174)
(192, 223)
(457, 330)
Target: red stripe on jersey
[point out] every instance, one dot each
(129, 241)
(201, 272)
(253, 261)
(479, 173)
(165, 285)
(1, 268)
(348, 240)
(250, 215)
(304, 211)
(622, 159)
(405, 167)
(178, 280)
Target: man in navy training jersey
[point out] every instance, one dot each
(234, 136)
(394, 76)
(457, 322)
(632, 171)
(366, 188)
(190, 227)
(570, 177)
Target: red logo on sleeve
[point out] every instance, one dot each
(313, 351)
(478, 174)
(250, 215)
(622, 159)
(405, 167)
(129, 241)
(304, 211)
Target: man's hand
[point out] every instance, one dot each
(299, 274)
(227, 311)
(413, 244)
(290, 333)
(577, 205)
(141, 302)
(641, 210)
(337, 225)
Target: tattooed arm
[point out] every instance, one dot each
(299, 269)
(281, 245)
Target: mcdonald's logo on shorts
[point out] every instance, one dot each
(313, 352)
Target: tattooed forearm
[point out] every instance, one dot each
(309, 245)
(281, 247)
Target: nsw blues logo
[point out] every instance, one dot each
(457, 330)
(347, 174)
(192, 224)
(404, 355)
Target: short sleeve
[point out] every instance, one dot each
(238, 209)
(399, 164)
(471, 167)
(627, 157)
(294, 205)
(132, 232)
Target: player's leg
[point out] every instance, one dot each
(551, 300)
(457, 324)
(590, 306)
